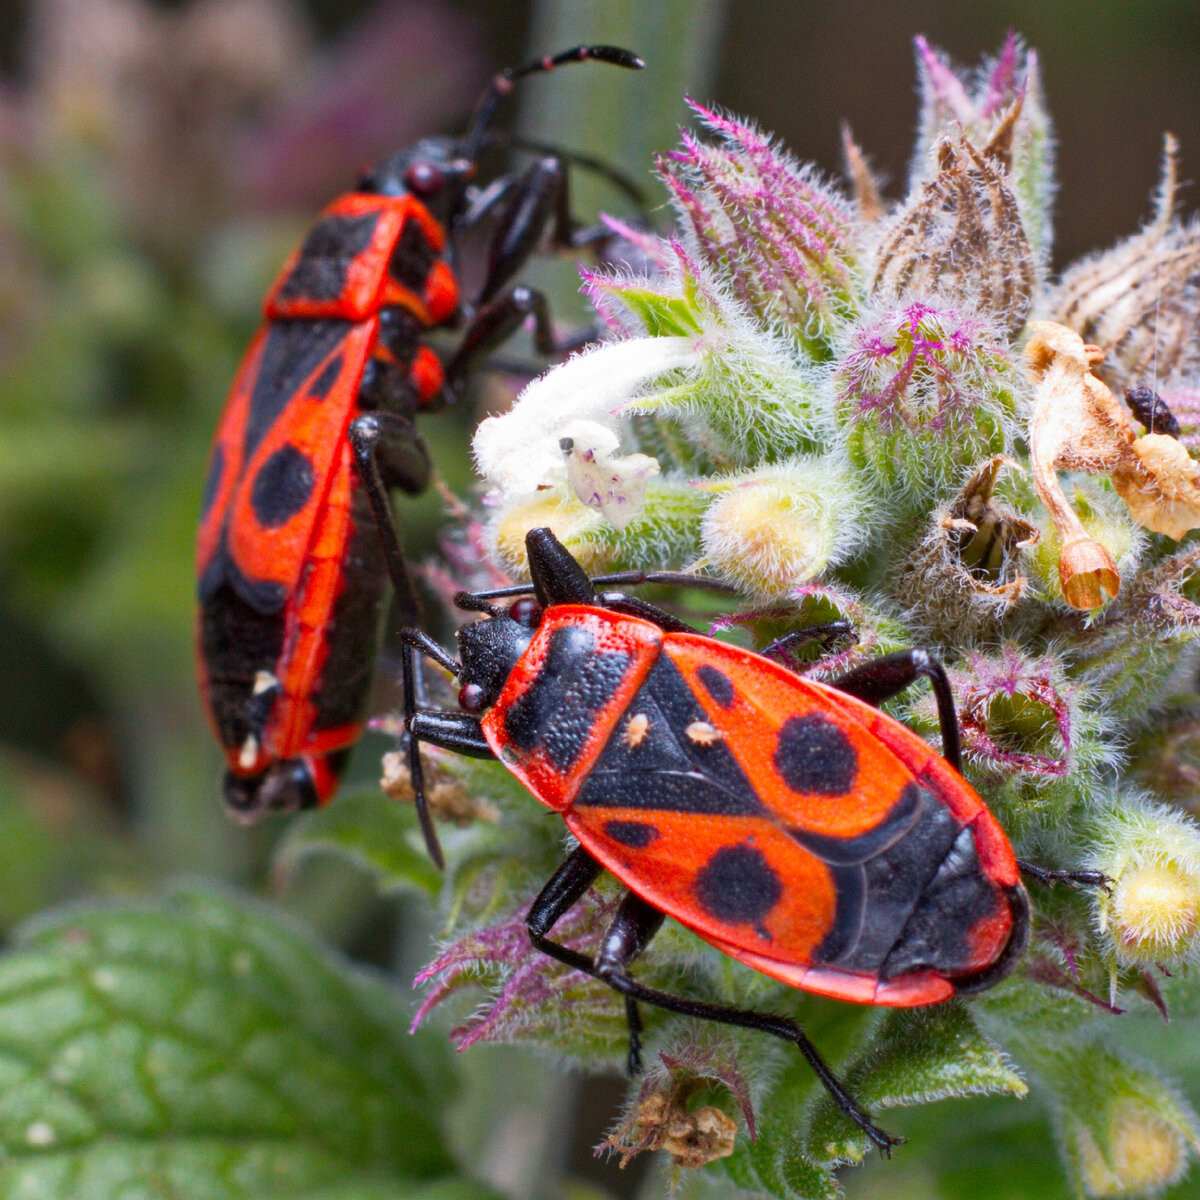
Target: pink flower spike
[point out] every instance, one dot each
(1003, 84)
(942, 87)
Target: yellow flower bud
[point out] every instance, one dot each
(1152, 913)
(1145, 1154)
(774, 530)
(560, 512)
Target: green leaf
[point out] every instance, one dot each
(443, 1189)
(662, 316)
(201, 1047)
(917, 1055)
(779, 1168)
(370, 829)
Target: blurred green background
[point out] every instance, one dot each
(157, 162)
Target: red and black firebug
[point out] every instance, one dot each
(321, 420)
(787, 822)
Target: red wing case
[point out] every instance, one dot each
(767, 813)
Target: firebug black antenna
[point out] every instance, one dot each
(485, 110)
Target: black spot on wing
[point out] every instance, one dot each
(815, 756)
(282, 487)
(263, 596)
(325, 257)
(717, 684)
(292, 352)
(212, 484)
(635, 834)
(664, 769)
(413, 257)
(319, 388)
(738, 886)
(881, 878)
(559, 707)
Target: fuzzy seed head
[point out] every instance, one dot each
(925, 393)
(771, 532)
(1145, 1154)
(963, 240)
(1006, 91)
(1140, 300)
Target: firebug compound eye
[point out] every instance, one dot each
(471, 698)
(424, 179)
(526, 612)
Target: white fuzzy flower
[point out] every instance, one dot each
(520, 451)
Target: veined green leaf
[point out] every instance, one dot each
(201, 1047)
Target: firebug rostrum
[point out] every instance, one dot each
(787, 822)
(291, 569)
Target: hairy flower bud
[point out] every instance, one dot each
(1145, 1154)
(924, 393)
(575, 525)
(1126, 1132)
(770, 531)
(1151, 914)
(778, 235)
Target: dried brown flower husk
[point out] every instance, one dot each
(662, 1121)
(1078, 425)
(446, 797)
(1140, 301)
(965, 575)
(963, 238)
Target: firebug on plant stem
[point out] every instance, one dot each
(291, 575)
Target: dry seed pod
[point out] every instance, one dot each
(662, 1121)
(1140, 301)
(446, 797)
(963, 238)
(965, 573)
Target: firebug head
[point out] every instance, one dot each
(490, 648)
(433, 170)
